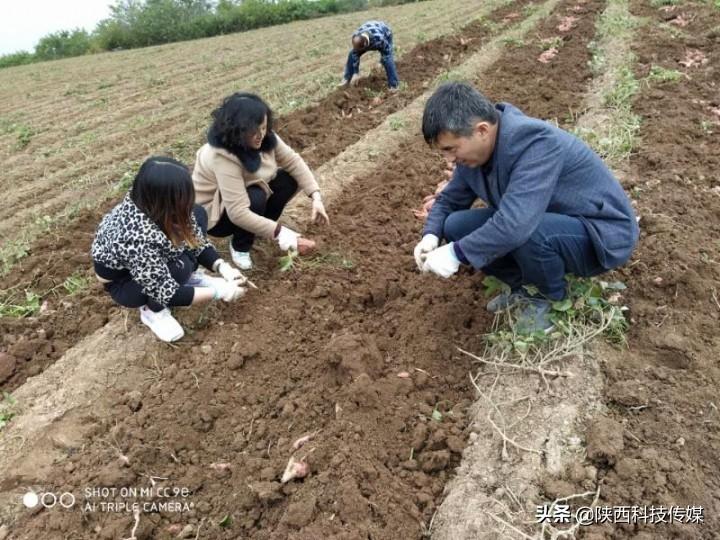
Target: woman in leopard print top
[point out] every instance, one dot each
(147, 248)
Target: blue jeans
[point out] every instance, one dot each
(560, 245)
(352, 67)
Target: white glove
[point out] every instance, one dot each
(442, 261)
(230, 273)
(425, 246)
(318, 209)
(355, 79)
(287, 239)
(228, 291)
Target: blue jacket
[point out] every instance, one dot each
(537, 168)
(380, 37)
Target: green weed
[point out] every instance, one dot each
(21, 308)
(372, 93)
(75, 283)
(551, 43)
(24, 136)
(661, 75)
(512, 42)
(12, 252)
(22, 132)
(707, 127)
(622, 94)
(396, 124)
(592, 307)
(7, 409)
(661, 3)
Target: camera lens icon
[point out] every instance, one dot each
(31, 499)
(48, 499)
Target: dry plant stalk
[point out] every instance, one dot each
(502, 431)
(136, 515)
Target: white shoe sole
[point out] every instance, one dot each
(172, 338)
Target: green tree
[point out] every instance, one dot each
(63, 44)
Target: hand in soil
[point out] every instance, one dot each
(305, 246)
(318, 214)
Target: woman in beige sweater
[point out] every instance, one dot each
(245, 175)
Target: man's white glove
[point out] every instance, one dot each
(355, 79)
(287, 239)
(227, 291)
(230, 273)
(442, 261)
(318, 209)
(425, 246)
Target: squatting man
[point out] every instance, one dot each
(552, 206)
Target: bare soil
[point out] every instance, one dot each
(662, 392)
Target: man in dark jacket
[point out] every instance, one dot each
(553, 206)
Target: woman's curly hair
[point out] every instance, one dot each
(236, 120)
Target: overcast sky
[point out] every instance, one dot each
(24, 22)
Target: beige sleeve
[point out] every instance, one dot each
(234, 197)
(289, 160)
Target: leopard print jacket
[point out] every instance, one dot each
(127, 239)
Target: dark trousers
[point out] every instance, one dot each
(560, 245)
(129, 293)
(283, 188)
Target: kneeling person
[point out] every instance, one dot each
(147, 248)
(245, 175)
(553, 206)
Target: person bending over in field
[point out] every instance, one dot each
(245, 175)
(553, 207)
(147, 248)
(371, 36)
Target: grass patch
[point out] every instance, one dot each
(372, 93)
(396, 124)
(512, 42)
(624, 91)
(551, 43)
(661, 3)
(659, 74)
(76, 283)
(7, 409)
(612, 63)
(127, 179)
(592, 307)
(22, 132)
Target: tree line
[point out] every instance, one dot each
(141, 23)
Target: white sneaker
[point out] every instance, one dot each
(162, 323)
(241, 258)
